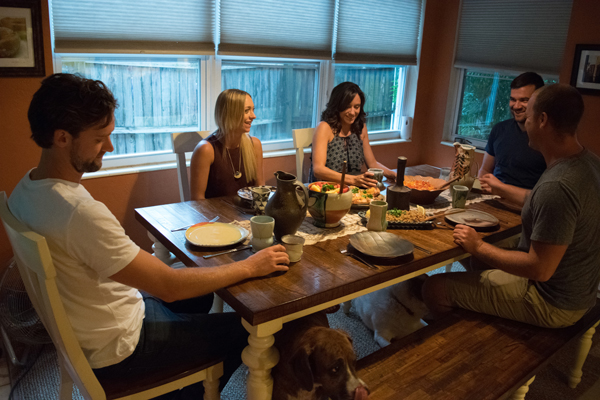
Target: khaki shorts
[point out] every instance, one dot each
(496, 292)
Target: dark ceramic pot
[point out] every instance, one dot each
(288, 205)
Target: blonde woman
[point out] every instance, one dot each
(229, 159)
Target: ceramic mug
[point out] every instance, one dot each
(260, 196)
(378, 176)
(293, 246)
(262, 232)
(377, 216)
(459, 196)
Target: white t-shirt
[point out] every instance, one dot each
(87, 245)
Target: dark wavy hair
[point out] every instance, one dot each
(340, 99)
(526, 79)
(69, 102)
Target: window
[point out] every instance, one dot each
(156, 98)
(282, 53)
(483, 103)
(284, 95)
(383, 87)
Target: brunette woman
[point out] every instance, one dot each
(342, 136)
(229, 159)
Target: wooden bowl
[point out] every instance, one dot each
(424, 197)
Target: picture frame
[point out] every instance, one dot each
(585, 75)
(22, 55)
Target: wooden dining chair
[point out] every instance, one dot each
(302, 139)
(39, 276)
(185, 142)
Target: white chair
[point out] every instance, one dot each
(185, 142)
(302, 139)
(37, 270)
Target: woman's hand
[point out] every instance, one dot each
(363, 180)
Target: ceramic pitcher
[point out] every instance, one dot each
(288, 205)
(464, 165)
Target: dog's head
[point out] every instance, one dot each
(325, 361)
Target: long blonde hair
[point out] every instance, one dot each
(229, 116)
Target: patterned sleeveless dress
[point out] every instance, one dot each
(342, 149)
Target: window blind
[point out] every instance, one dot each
(298, 28)
(367, 31)
(513, 34)
(133, 26)
(383, 31)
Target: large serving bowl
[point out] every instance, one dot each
(419, 196)
(327, 209)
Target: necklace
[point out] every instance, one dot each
(236, 174)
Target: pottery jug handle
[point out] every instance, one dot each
(297, 183)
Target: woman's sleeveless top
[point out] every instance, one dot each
(220, 177)
(342, 149)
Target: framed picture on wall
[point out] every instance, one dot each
(585, 75)
(21, 38)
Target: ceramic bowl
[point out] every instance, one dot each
(424, 196)
(327, 209)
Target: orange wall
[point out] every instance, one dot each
(122, 194)
(584, 29)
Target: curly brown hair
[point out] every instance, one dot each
(340, 99)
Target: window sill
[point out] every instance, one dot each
(115, 171)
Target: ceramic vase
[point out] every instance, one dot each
(398, 196)
(464, 165)
(288, 205)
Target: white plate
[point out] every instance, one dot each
(246, 192)
(216, 234)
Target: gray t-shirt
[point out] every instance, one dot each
(564, 209)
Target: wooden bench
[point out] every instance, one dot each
(467, 355)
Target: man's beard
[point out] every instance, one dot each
(82, 166)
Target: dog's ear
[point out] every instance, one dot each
(301, 367)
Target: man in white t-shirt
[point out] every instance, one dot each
(123, 332)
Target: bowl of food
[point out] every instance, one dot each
(423, 189)
(326, 204)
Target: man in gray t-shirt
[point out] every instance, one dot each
(552, 278)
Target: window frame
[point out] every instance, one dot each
(454, 102)
(210, 88)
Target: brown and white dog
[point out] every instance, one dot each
(316, 362)
(393, 312)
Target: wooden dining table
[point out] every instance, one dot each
(324, 277)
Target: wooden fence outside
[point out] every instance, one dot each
(158, 99)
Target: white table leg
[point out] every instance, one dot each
(161, 252)
(260, 357)
(585, 343)
(520, 393)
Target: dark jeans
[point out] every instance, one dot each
(182, 334)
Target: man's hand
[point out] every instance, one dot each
(467, 238)
(269, 260)
(364, 180)
(490, 184)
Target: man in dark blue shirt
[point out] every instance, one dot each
(508, 157)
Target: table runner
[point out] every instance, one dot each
(351, 222)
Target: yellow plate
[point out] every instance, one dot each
(215, 234)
